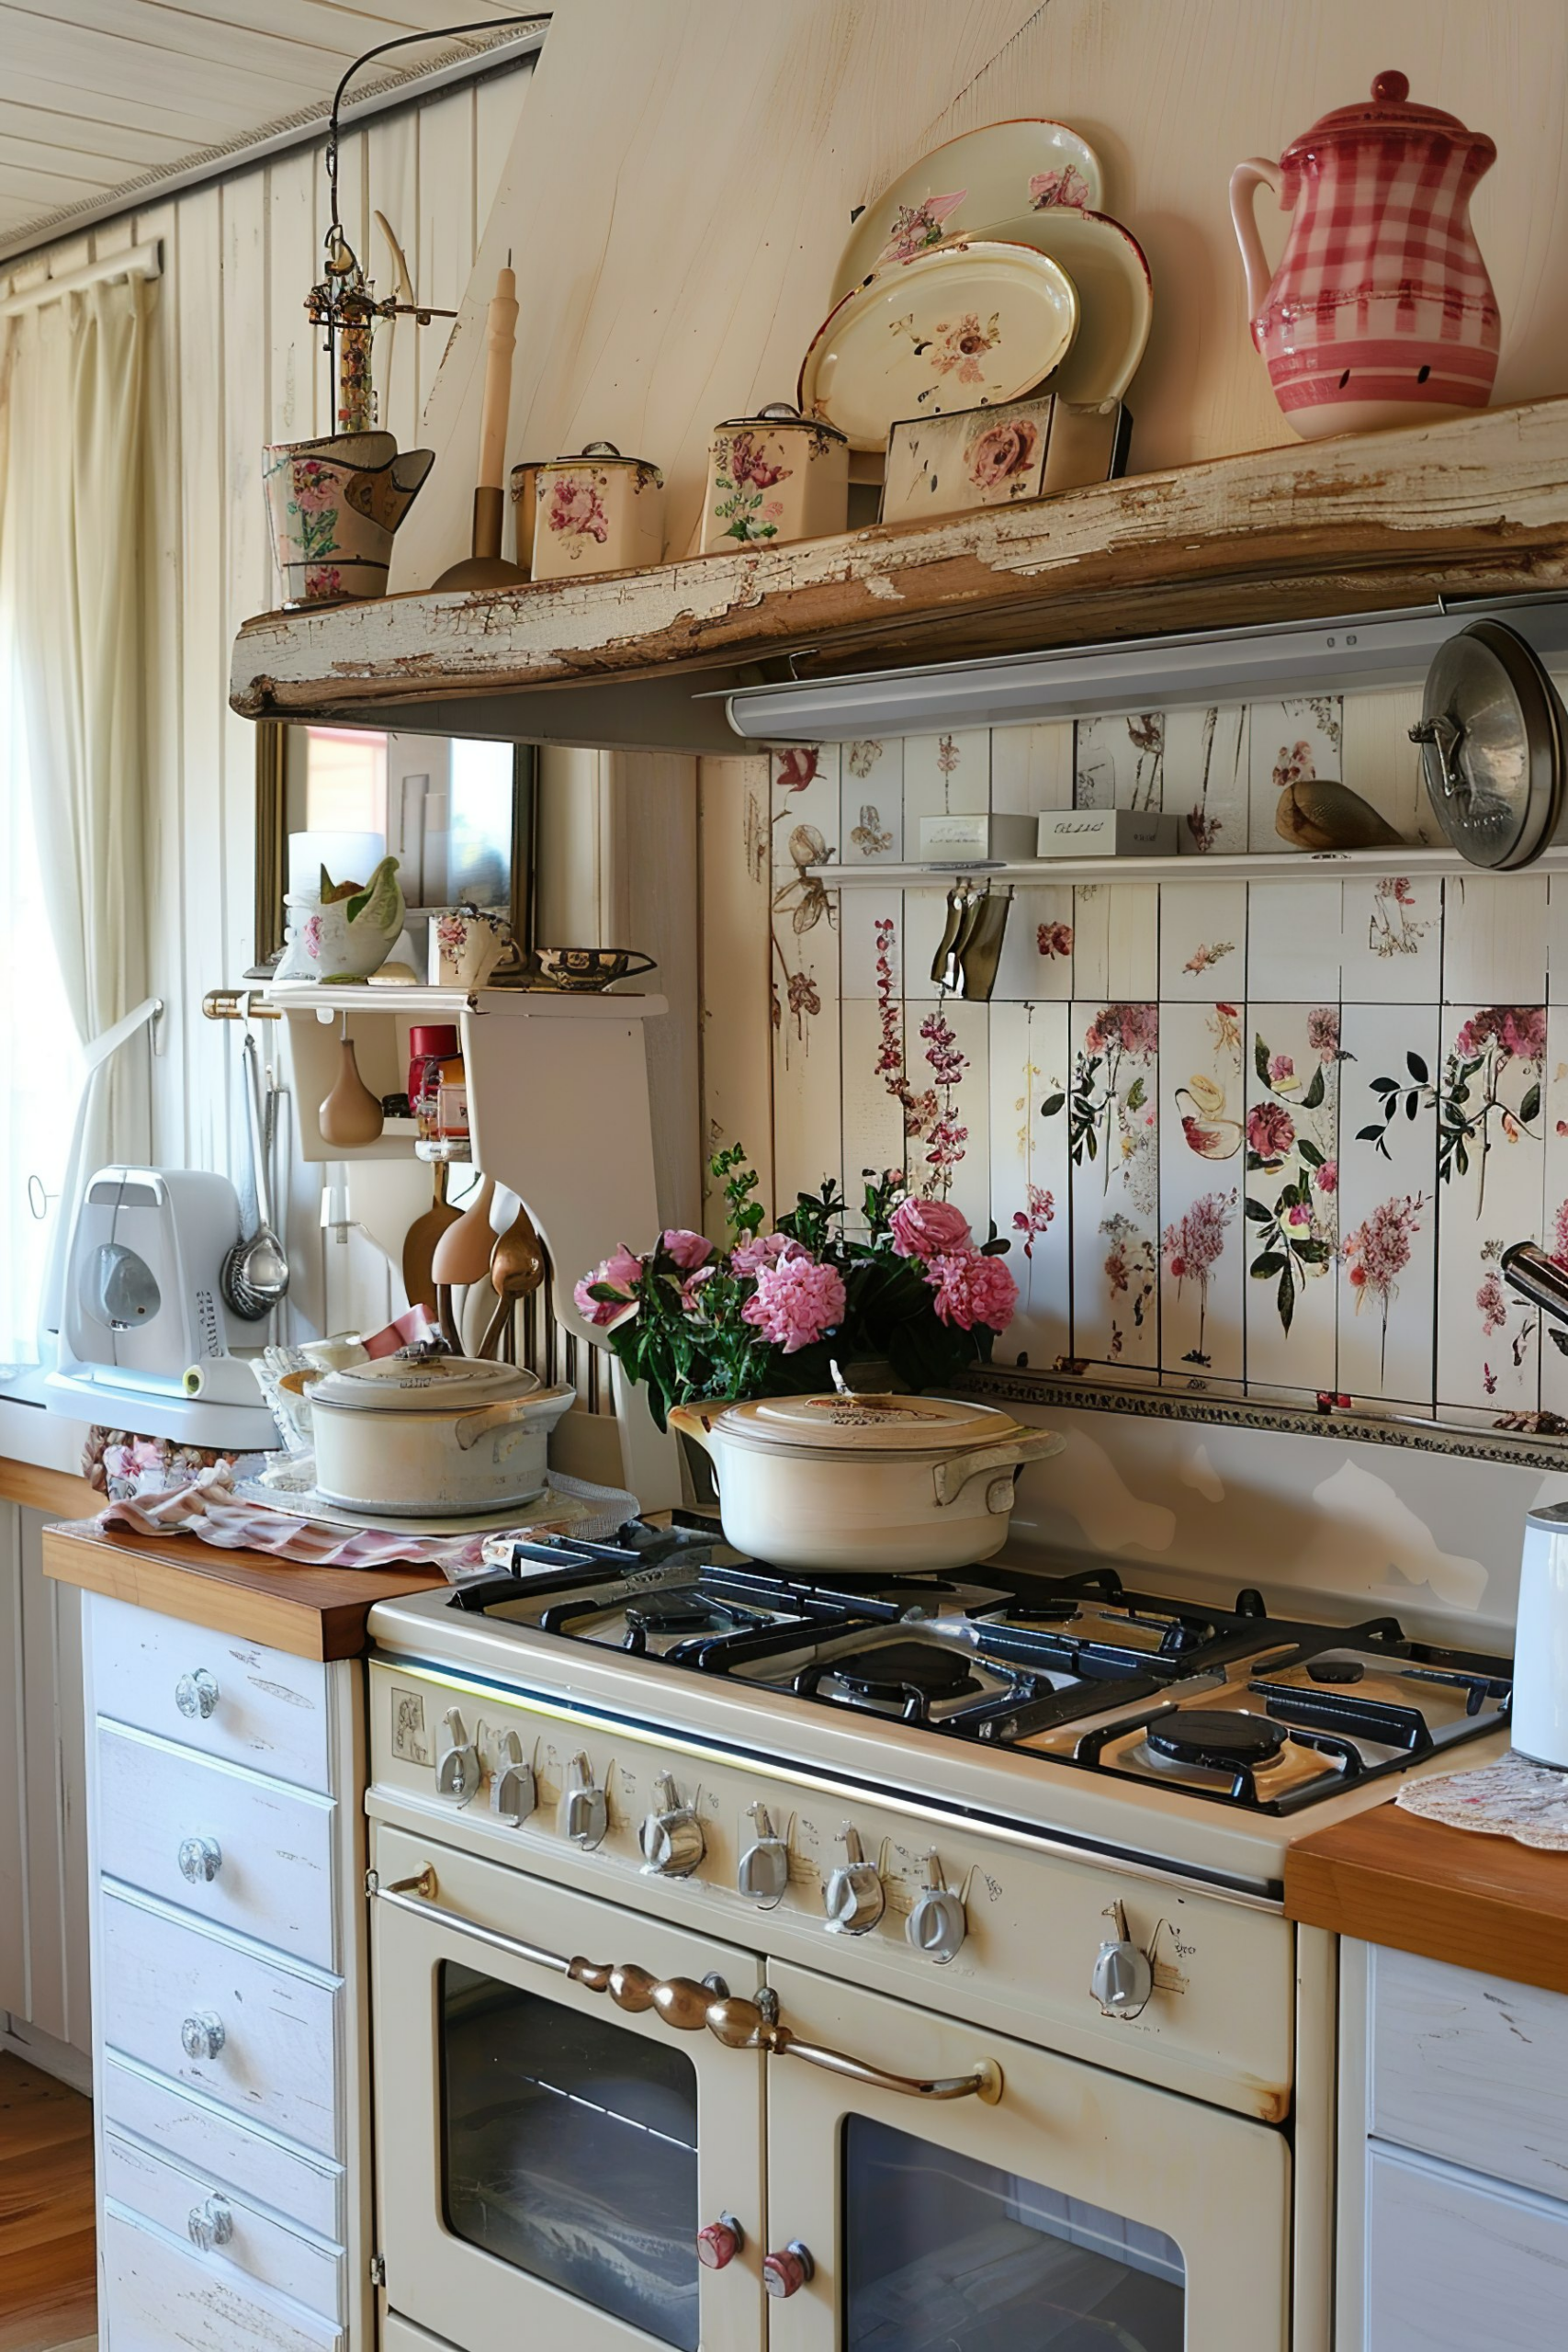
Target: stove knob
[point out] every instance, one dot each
(855, 1899)
(672, 1837)
(511, 1793)
(720, 2242)
(787, 2273)
(1124, 1978)
(456, 1759)
(763, 1872)
(938, 1924)
(583, 1813)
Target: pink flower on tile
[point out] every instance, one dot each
(1124, 1028)
(928, 1229)
(1271, 1130)
(1323, 1031)
(1517, 1031)
(797, 768)
(971, 1288)
(1560, 1237)
(1280, 1067)
(1326, 1178)
(687, 1249)
(797, 1302)
(1054, 939)
(1491, 1300)
(1035, 1220)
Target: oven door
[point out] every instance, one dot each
(1081, 2211)
(545, 2158)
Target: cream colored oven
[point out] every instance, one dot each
(598, 2129)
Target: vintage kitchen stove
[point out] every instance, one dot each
(860, 1962)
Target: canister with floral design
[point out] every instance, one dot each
(777, 475)
(596, 512)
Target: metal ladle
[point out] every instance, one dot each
(254, 1277)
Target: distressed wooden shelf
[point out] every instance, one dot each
(1252, 865)
(1475, 507)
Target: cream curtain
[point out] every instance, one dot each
(73, 377)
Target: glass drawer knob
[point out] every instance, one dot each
(720, 2242)
(787, 2273)
(202, 2036)
(201, 1858)
(210, 2225)
(195, 1695)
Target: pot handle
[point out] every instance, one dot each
(692, 1421)
(950, 1478)
(1246, 181)
(473, 1426)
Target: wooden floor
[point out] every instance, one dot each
(48, 2297)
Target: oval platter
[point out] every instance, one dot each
(967, 187)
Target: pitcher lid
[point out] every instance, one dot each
(1389, 107)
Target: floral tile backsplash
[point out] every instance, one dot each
(1267, 1139)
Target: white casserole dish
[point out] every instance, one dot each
(399, 1434)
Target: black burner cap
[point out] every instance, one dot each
(1227, 1742)
(1336, 1669)
(895, 1666)
(671, 1613)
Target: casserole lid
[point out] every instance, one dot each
(867, 1423)
(405, 1383)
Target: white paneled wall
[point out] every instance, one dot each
(238, 368)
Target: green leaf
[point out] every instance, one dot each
(1369, 1134)
(1136, 1095)
(1051, 1104)
(1257, 1212)
(1412, 1104)
(1389, 1085)
(1315, 1092)
(1530, 1107)
(1313, 1252)
(1285, 1297)
(1270, 1263)
(1417, 1068)
(1309, 1152)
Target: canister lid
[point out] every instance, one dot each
(779, 413)
(600, 453)
(405, 1383)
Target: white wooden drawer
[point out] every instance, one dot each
(1471, 2068)
(1455, 2264)
(269, 1845)
(399, 2336)
(212, 2142)
(268, 1710)
(264, 2248)
(279, 2060)
(160, 2295)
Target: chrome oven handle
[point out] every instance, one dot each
(687, 2006)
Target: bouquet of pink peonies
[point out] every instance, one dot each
(770, 1314)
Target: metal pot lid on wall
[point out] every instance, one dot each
(1492, 736)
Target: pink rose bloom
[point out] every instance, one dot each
(767, 1250)
(1326, 1178)
(689, 1249)
(796, 1302)
(620, 1271)
(1271, 1130)
(1281, 1066)
(1299, 1214)
(971, 1288)
(928, 1229)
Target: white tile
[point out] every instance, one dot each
(805, 974)
(1488, 1342)
(1388, 1202)
(945, 776)
(1132, 960)
(1037, 951)
(1293, 940)
(1555, 1219)
(1494, 934)
(1293, 1092)
(1091, 941)
(1032, 768)
(1112, 1115)
(1557, 938)
(870, 789)
(1202, 941)
(1120, 763)
(1295, 739)
(1206, 780)
(1390, 948)
(1203, 1231)
(1030, 1064)
(1383, 765)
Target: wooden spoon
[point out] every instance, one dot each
(420, 1240)
(462, 1256)
(517, 1269)
(351, 1114)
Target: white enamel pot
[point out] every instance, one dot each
(864, 1482)
(399, 1435)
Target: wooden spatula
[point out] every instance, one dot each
(420, 1240)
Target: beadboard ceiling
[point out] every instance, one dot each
(97, 95)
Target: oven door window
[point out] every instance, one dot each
(943, 2254)
(569, 2149)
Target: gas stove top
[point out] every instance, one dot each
(1231, 1706)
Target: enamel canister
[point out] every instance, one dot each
(775, 476)
(596, 512)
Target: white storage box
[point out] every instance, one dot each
(989, 840)
(1106, 832)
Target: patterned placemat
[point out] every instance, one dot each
(1514, 1798)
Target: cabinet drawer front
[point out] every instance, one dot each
(269, 1845)
(263, 2248)
(278, 2059)
(209, 2142)
(1454, 2265)
(158, 2295)
(265, 1708)
(1471, 2068)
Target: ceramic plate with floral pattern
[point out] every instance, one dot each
(972, 185)
(966, 325)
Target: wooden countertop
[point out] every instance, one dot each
(310, 1611)
(1389, 1878)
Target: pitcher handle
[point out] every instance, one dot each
(1246, 180)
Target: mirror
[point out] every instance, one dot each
(458, 814)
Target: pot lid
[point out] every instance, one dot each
(866, 1423)
(598, 453)
(1492, 737)
(1389, 107)
(404, 1384)
(779, 413)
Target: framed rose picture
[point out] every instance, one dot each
(977, 456)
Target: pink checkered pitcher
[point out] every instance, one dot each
(1380, 312)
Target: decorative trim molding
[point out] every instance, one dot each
(1545, 1452)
